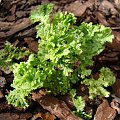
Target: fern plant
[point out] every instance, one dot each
(61, 45)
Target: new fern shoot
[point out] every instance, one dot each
(61, 45)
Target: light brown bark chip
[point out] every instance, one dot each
(105, 112)
(57, 107)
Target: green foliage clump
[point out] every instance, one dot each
(61, 45)
(9, 54)
(79, 104)
(97, 87)
(26, 79)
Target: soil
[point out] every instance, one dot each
(16, 28)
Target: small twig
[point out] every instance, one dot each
(115, 28)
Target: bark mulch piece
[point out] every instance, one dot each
(15, 116)
(9, 116)
(57, 107)
(25, 22)
(44, 116)
(105, 112)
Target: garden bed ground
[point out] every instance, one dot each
(16, 28)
